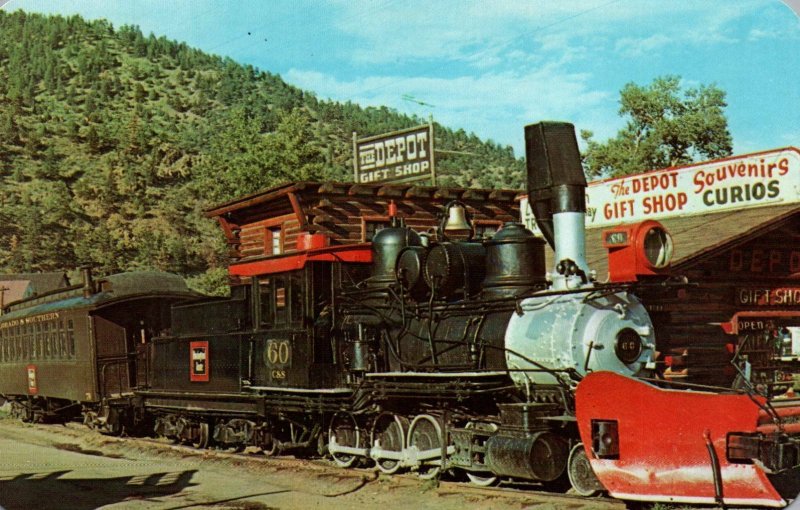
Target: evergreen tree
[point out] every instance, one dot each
(106, 159)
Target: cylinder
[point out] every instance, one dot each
(541, 457)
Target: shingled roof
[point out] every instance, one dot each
(14, 290)
(40, 282)
(700, 236)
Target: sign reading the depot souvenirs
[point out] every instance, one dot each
(751, 180)
(399, 156)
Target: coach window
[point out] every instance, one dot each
(49, 341)
(71, 337)
(15, 333)
(38, 339)
(62, 339)
(42, 336)
(26, 349)
(34, 341)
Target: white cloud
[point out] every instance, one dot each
(791, 138)
(480, 32)
(495, 105)
(632, 47)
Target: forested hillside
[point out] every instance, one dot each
(112, 144)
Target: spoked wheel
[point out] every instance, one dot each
(113, 422)
(580, 472)
(389, 432)
(270, 449)
(201, 441)
(346, 432)
(19, 411)
(425, 434)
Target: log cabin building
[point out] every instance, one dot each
(743, 299)
(262, 226)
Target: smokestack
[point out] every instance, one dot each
(556, 191)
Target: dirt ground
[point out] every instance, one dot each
(71, 467)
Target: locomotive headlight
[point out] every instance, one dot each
(635, 251)
(628, 346)
(657, 247)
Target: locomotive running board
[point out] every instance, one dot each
(647, 443)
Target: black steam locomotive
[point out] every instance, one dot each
(444, 353)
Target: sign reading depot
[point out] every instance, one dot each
(765, 178)
(398, 156)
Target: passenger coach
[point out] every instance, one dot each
(71, 349)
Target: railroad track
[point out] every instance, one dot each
(526, 493)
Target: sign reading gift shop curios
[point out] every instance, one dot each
(764, 178)
(400, 156)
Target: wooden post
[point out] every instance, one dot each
(355, 157)
(433, 152)
(3, 298)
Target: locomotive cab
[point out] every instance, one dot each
(273, 332)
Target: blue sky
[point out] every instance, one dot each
(492, 67)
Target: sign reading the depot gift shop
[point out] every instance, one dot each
(405, 155)
(751, 180)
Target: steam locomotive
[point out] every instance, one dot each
(443, 353)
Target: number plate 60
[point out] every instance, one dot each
(278, 352)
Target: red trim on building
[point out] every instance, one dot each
(732, 327)
(290, 262)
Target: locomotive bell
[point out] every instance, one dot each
(456, 218)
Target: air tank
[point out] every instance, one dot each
(411, 271)
(455, 268)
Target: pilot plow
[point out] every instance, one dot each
(683, 446)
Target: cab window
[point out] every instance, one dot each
(281, 298)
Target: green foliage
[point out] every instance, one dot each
(213, 282)
(666, 127)
(113, 143)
